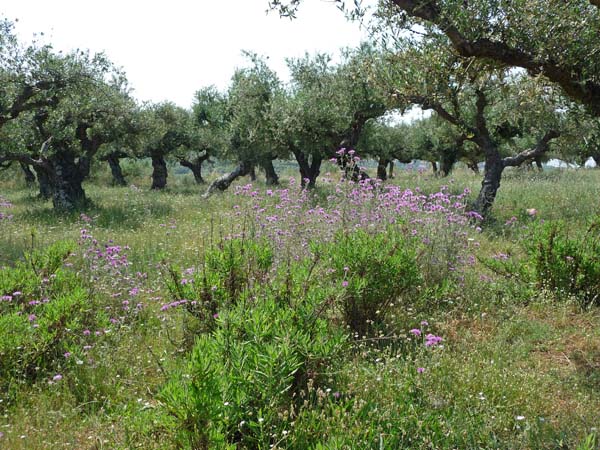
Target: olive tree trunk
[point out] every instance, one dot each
(382, 168)
(116, 171)
(271, 177)
(309, 170)
(196, 167)
(67, 191)
(434, 167)
(494, 166)
(222, 183)
(159, 172)
(29, 175)
(44, 182)
(391, 169)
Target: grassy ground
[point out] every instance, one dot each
(519, 368)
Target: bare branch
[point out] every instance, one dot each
(541, 148)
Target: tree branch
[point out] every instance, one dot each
(427, 103)
(26, 158)
(569, 78)
(541, 148)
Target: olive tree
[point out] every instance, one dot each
(385, 142)
(249, 132)
(59, 137)
(327, 107)
(165, 130)
(208, 134)
(482, 106)
(555, 39)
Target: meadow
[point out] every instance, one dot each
(351, 316)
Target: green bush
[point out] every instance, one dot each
(231, 269)
(43, 315)
(372, 272)
(568, 265)
(247, 379)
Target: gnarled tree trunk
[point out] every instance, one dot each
(447, 162)
(271, 177)
(84, 165)
(494, 166)
(159, 172)
(29, 175)
(67, 192)
(391, 169)
(115, 170)
(222, 183)
(44, 182)
(434, 167)
(309, 171)
(195, 166)
(382, 168)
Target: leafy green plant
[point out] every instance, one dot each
(231, 269)
(247, 378)
(373, 271)
(43, 316)
(567, 264)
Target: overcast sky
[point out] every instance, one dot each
(170, 49)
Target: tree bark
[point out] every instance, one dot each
(29, 175)
(115, 170)
(309, 171)
(391, 169)
(382, 168)
(84, 165)
(196, 168)
(448, 159)
(271, 177)
(252, 172)
(67, 192)
(222, 183)
(434, 167)
(159, 172)
(44, 183)
(494, 166)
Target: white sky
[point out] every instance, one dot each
(170, 49)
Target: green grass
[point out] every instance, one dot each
(519, 368)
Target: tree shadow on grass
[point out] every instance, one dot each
(112, 217)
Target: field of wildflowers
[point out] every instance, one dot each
(355, 315)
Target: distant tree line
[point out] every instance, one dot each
(59, 112)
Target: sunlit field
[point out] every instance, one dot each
(355, 315)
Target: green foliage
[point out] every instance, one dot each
(566, 264)
(232, 269)
(373, 271)
(43, 313)
(555, 260)
(246, 378)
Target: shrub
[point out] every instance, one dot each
(566, 264)
(231, 269)
(43, 315)
(372, 272)
(245, 381)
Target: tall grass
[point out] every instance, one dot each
(467, 354)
